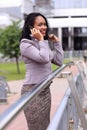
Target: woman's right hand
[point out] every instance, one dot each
(37, 34)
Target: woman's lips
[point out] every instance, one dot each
(43, 32)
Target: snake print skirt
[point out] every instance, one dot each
(37, 112)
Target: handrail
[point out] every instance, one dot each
(11, 112)
(69, 114)
(54, 125)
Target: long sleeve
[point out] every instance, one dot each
(40, 55)
(58, 54)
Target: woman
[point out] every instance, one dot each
(38, 57)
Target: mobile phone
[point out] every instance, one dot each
(31, 27)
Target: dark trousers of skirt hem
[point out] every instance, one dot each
(37, 112)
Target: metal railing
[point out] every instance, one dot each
(70, 114)
(11, 112)
(73, 54)
(67, 115)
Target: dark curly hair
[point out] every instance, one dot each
(29, 21)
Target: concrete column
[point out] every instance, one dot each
(72, 39)
(69, 38)
(60, 34)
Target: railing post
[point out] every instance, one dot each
(3, 89)
(77, 101)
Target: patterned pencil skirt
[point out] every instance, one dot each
(37, 112)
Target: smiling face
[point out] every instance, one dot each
(40, 24)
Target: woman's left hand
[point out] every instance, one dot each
(53, 38)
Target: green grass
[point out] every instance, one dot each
(9, 70)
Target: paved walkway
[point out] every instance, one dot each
(58, 88)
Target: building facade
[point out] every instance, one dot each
(44, 6)
(67, 18)
(69, 22)
(14, 11)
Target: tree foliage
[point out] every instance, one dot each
(9, 41)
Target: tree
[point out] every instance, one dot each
(9, 42)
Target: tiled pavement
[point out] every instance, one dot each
(58, 88)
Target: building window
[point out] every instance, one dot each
(65, 38)
(80, 38)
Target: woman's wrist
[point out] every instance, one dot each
(57, 40)
(41, 39)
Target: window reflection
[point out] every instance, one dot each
(78, 37)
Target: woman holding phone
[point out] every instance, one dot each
(38, 56)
